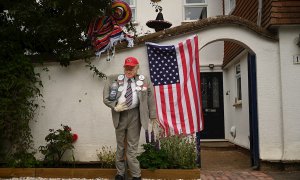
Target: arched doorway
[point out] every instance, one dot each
(212, 105)
(214, 122)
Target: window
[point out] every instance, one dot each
(195, 9)
(229, 6)
(232, 4)
(238, 82)
(132, 4)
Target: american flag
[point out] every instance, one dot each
(175, 74)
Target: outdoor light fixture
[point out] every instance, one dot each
(211, 66)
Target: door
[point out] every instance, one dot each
(212, 105)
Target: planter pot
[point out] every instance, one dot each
(96, 173)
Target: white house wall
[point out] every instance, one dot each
(269, 101)
(173, 11)
(290, 79)
(236, 117)
(212, 54)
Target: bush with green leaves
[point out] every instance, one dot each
(107, 157)
(175, 152)
(19, 89)
(181, 151)
(23, 160)
(58, 142)
(153, 158)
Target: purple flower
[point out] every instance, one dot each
(152, 137)
(147, 136)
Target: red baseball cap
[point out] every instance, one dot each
(131, 61)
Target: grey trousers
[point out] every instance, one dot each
(130, 126)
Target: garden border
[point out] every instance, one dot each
(96, 173)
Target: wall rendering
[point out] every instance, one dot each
(236, 116)
(290, 80)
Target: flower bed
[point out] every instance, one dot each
(172, 157)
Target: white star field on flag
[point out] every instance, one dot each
(163, 65)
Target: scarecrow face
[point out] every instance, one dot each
(118, 12)
(130, 71)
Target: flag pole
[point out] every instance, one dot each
(198, 149)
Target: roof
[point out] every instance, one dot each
(199, 25)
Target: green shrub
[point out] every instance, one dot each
(23, 160)
(153, 158)
(58, 142)
(176, 152)
(19, 89)
(181, 151)
(107, 157)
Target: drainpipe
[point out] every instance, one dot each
(259, 12)
(223, 4)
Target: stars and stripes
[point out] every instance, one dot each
(175, 74)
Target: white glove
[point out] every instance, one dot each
(120, 107)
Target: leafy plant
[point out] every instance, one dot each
(58, 142)
(180, 150)
(107, 157)
(23, 160)
(176, 152)
(95, 70)
(153, 158)
(19, 88)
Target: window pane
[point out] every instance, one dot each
(132, 7)
(194, 13)
(195, 1)
(133, 14)
(232, 3)
(237, 69)
(130, 2)
(215, 88)
(239, 88)
(204, 88)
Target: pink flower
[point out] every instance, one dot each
(75, 137)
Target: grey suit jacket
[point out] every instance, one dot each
(147, 107)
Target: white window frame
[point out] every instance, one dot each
(133, 6)
(185, 5)
(238, 77)
(230, 6)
